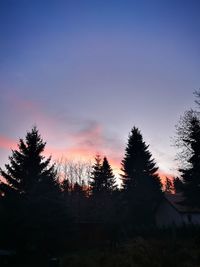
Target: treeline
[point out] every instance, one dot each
(45, 207)
(41, 203)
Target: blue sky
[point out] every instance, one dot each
(86, 72)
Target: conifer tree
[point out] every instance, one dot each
(102, 187)
(141, 184)
(168, 185)
(96, 182)
(178, 185)
(103, 179)
(109, 181)
(31, 198)
(28, 173)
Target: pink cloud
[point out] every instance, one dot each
(91, 135)
(85, 153)
(85, 143)
(7, 143)
(67, 136)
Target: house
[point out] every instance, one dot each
(171, 212)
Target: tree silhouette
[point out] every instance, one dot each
(32, 196)
(190, 174)
(102, 179)
(102, 187)
(96, 182)
(108, 178)
(178, 185)
(141, 184)
(28, 173)
(183, 138)
(168, 186)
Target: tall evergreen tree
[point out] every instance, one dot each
(141, 184)
(28, 173)
(96, 182)
(102, 187)
(109, 181)
(103, 179)
(34, 209)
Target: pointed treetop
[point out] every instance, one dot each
(137, 160)
(28, 171)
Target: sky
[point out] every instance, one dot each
(86, 72)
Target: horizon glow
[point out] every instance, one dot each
(86, 72)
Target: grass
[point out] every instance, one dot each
(139, 253)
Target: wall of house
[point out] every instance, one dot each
(195, 218)
(167, 215)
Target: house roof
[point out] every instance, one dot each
(176, 199)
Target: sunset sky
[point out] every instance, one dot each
(86, 72)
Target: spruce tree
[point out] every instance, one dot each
(31, 198)
(102, 187)
(102, 179)
(109, 194)
(109, 181)
(141, 184)
(28, 172)
(96, 181)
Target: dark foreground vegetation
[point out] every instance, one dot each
(172, 247)
(140, 252)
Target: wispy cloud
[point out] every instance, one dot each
(87, 141)
(66, 135)
(7, 143)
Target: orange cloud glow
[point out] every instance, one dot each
(82, 140)
(85, 153)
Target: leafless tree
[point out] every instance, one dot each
(183, 129)
(74, 171)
